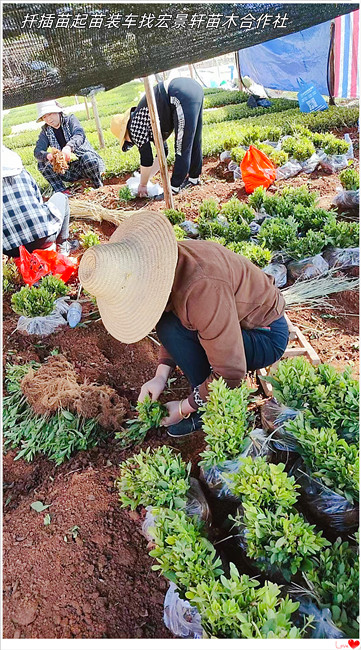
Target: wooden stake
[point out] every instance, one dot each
(158, 141)
(87, 108)
(191, 71)
(97, 121)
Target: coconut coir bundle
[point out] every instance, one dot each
(56, 386)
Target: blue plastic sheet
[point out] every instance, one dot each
(278, 63)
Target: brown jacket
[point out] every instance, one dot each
(215, 292)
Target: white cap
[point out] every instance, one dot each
(11, 163)
(50, 106)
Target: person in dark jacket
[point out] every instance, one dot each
(180, 109)
(65, 133)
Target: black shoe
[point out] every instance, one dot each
(160, 197)
(186, 427)
(187, 184)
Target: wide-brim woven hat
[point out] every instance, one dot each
(118, 125)
(132, 275)
(51, 106)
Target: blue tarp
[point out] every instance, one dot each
(276, 64)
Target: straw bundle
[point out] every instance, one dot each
(313, 293)
(90, 210)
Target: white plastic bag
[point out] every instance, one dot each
(332, 164)
(225, 156)
(45, 325)
(152, 189)
(309, 165)
(181, 618)
(278, 271)
(291, 168)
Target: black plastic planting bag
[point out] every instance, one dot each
(181, 618)
(214, 477)
(348, 201)
(326, 506)
(197, 503)
(273, 416)
(342, 258)
(310, 267)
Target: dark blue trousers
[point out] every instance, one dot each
(262, 346)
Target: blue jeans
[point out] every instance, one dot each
(262, 346)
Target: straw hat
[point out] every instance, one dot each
(118, 125)
(50, 106)
(132, 275)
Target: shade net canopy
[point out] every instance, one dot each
(53, 50)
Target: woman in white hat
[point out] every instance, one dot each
(215, 313)
(65, 133)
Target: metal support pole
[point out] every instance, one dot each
(97, 121)
(158, 141)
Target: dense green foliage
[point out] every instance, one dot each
(281, 540)
(331, 396)
(237, 154)
(154, 478)
(125, 193)
(174, 216)
(235, 210)
(150, 415)
(179, 233)
(311, 244)
(54, 286)
(89, 239)
(331, 459)
(184, 554)
(209, 209)
(257, 254)
(11, 276)
(342, 234)
(226, 422)
(350, 179)
(334, 580)
(276, 233)
(263, 484)
(238, 608)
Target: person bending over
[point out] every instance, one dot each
(215, 313)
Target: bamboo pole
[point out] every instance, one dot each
(191, 71)
(97, 121)
(158, 141)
